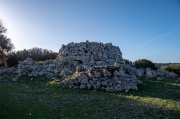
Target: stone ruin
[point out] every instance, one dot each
(108, 78)
(149, 73)
(90, 53)
(88, 65)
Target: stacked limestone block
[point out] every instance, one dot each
(149, 73)
(108, 78)
(90, 53)
(48, 68)
(159, 73)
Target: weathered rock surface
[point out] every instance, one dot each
(149, 73)
(98, 77)
(90, 53)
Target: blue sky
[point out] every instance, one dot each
(147, 29)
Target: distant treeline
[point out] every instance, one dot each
(37, 54)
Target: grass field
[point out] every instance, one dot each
(43, 99)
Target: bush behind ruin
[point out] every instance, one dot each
(172, 67)
(144, 63)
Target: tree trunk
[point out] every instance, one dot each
(4, 60)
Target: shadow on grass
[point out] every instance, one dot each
(165, 89)
(27, 99)
(72, 104)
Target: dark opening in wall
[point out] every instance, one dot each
(79, 61)
(85, 51)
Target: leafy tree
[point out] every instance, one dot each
(5, 44)
(144, 63)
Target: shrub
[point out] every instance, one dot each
(128, 61)
(172, 67)
(144, 63)
(12, 59)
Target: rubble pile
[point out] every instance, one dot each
(108, 78)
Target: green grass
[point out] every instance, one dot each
(43, 99)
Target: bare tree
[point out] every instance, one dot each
(5, 44)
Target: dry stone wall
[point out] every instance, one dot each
(90, 53)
